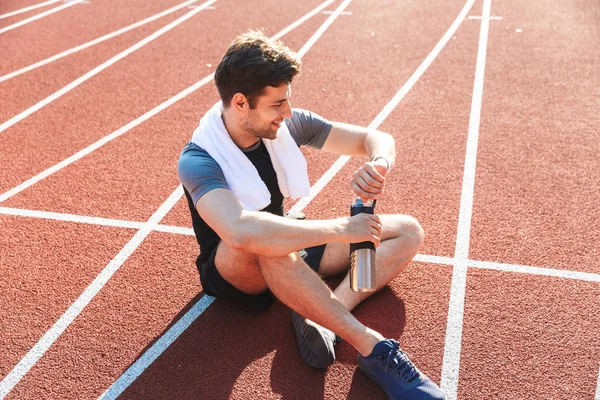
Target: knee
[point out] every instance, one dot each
(412, 231)
(277, 261)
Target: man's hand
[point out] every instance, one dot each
(368, 182)
(362, 228)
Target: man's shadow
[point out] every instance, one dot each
(226, 354)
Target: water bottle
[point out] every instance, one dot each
(362, 255)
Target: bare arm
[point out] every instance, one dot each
(270, 235)
(368, 181)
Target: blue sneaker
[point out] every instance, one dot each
(391, 369)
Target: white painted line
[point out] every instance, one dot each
(434, 259)
(80, 219)
(389, 107)
(178, 230)
(597, 397)
(101, 142)
(102, 67)
(33, 7)
(181, 230)
(317, 35)
(138, 367)
(320, 184)
(524, 269)
(478, 17)
(452, 347)
(207, 8)
(19, 371)
(37, 16)
(302, 20)
(95, 41)
(328, 12)
(156, 349)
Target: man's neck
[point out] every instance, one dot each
(237, 134)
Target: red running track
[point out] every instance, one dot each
(525, 335)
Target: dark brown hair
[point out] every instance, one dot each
(252, 62)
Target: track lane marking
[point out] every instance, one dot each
(389, 107)
(24, 114)
(453, 342)
(597, 397)
(96, 41)
(33, 7)
(40, 348)
(149, 114)
(39, 16)
(425, 258)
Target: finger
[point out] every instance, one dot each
(360, 192)
(364, 185)
(369, 179)
(375, 174)
(376, 241)
(375, 231)
(363, 181)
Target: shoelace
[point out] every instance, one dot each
(398, 361)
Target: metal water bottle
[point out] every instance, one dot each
(362, 255)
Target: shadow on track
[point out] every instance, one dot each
(232, 352)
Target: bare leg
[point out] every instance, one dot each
(297, 286)
(402, 238)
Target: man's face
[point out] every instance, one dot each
(271, 108)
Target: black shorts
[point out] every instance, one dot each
(215, 285)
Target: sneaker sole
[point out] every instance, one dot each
(374, 378)
(307, 351)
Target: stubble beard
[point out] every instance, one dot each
(257, 130)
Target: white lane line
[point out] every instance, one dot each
(479, 17)
(138, 367)
(434, 259)
(302, 20)
(524, 269)
(317, 35)
(99, 221)
(181, 230)
(452, 347)
(102, 67)
(389, 107)
(178, 230)
(157, 349)
(33, 7)
(80, 219)
(32, 357)
(101, 142)
(38, 16)
(597, 397)
(95, 41)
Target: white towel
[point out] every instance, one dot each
(241, 175)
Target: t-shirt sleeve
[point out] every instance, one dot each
(308, 128)
(199, 172)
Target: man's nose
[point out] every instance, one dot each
(286, 111)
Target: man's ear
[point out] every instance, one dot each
(239, 102)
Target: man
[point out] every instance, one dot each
(235, 173)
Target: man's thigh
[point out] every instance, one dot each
(240, 269)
